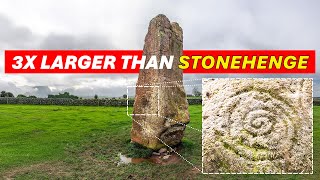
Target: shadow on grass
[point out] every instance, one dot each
(134, 150)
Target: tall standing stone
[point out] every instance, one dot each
(160, 106)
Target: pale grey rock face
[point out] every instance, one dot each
(257, 125)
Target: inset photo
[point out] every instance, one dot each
(255, 125)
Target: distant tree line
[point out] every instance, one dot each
(24, 96)
(63, 95)
(66, 95)
(6, 94)
(10, 94)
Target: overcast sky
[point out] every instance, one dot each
(84, 24)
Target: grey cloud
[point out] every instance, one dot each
(11, 87)
(14, 36)
(42, 91)
(64, 41)
(100, 91)
(252, 25)
(20, 37)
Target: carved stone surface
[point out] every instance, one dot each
(160, 96)
(257, 125)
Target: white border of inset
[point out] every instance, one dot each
(311, 173)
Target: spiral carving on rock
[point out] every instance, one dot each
(257, 125)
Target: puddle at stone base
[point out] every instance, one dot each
(126, 160)
(156, 159)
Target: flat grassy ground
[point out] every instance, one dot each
(45, 142)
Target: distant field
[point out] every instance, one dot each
(39, 142)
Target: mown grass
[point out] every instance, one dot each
(40, 142)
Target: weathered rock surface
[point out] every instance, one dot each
(257, 125)
(165, 107)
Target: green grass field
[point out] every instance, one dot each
(45, 142)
